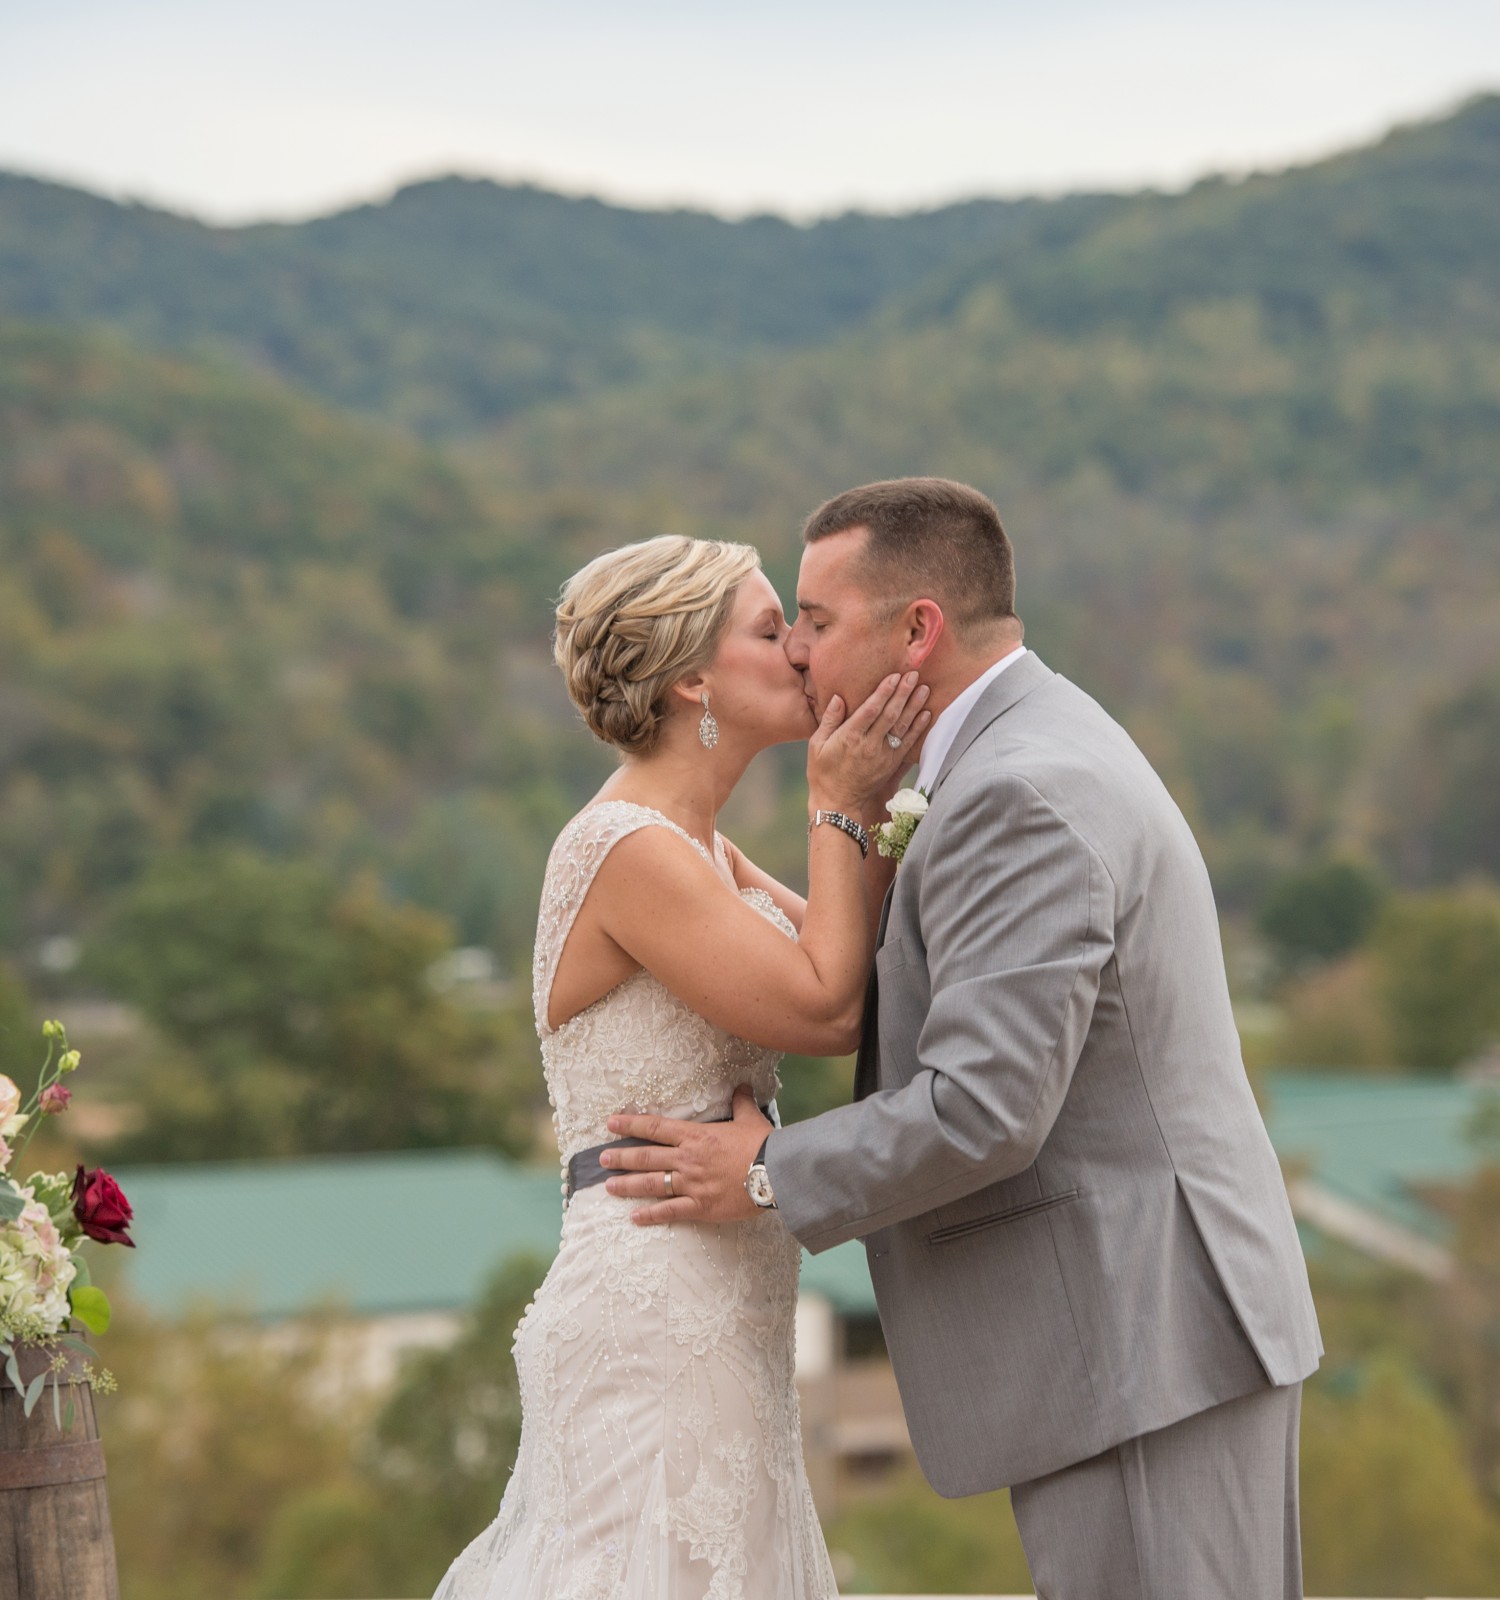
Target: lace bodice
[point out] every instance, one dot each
(638, 1048)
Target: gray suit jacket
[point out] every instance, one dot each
(1076, 1225)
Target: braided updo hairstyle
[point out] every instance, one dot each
(635, 620)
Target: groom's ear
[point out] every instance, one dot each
(923, 624)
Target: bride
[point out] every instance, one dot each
(660, 1454)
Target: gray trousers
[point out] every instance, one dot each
(1203, 1510)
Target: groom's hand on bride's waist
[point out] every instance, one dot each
(708, 1162)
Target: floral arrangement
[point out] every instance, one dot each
(907, 808)
(45, 1289)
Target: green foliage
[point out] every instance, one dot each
(1438, 963)
(905, 1539)
(1473, 1350)
(20, 1051)
(243, 1467)
(459, 300)
(811, 1084)
(1447, 821)
(297, 1016)
(431, 1471)
(1321, 911)
(214, 1434)
(1335, 1016)
(1389, 1505)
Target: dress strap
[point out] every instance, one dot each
(571, 869)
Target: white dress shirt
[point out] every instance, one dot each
(944, 730)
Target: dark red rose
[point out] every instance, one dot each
(100, 1205)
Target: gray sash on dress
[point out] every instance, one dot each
(584, 1170)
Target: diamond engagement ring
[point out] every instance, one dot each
(893, 741)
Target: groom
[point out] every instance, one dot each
(1086, 1265)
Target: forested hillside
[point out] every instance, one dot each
(1244, 438)
(228, 615)
(460, 301)
(283, 512)
(1246, 443)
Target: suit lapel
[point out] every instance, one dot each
(1014, 684)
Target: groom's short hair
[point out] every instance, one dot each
(928, 536)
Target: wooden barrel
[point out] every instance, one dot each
(55, 1538)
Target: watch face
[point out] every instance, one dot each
(759, 1186)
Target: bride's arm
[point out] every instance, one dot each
(880, 872)
(749, 876)
(662, 904)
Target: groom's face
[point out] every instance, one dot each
(844, 640)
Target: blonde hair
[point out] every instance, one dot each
(636, 620)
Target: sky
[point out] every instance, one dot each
(291, 108)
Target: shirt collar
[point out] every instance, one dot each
(944, 730)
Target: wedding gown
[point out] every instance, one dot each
(661, 1452)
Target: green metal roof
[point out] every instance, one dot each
(378, 1234)
(421, 1230)
(409, 1231)
(1376, 1141)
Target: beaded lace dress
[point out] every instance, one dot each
(661, 1451)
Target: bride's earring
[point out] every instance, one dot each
(708, 729)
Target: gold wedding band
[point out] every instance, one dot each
(666, 1178)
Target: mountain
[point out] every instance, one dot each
(460, 301)
(229, 615)
(1243, 437)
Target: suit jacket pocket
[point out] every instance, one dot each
(995, 1219)
(892, 953)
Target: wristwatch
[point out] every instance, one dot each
(758, 1180)
(859, 834)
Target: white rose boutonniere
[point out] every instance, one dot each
(907, 808)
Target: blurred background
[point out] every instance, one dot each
(332, 338)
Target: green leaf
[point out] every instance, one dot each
(70, 1411)
(13, 1372)
(91, 1307)
(12, 1201)
(34, 1393)
(81, 1275)
(57, 1402)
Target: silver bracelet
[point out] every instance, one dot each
(860, 835)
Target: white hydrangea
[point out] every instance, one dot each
(36, 1269)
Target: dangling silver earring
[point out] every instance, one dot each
(708, 729)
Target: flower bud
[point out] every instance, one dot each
(69, 1062)
(50, 1030)
(54, 1099)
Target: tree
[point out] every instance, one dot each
(1389, 1505)
(297, 1016)
(904, 1538)
(432, 1468)
(1320, 911)
(1438, 972)
(215, 1431)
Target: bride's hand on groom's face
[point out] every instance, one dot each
(853, 761)
(708, 1163)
